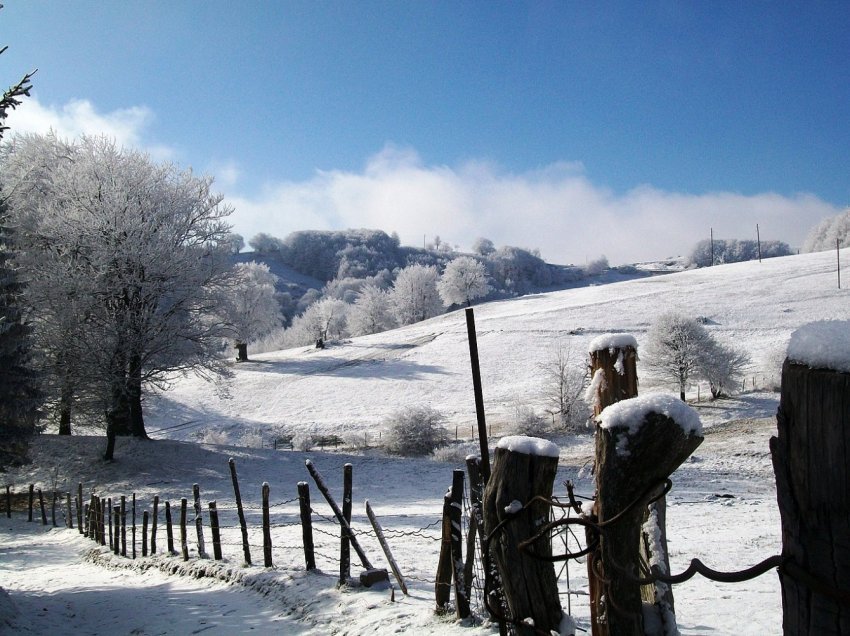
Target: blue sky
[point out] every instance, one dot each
(626, 129)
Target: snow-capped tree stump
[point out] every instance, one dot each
(811, 460)
(640, 443)
(523, 468)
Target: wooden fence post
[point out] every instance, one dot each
(475, 525)
(267, 534)
(242, 524)
(345, 543)
(116, 541)
(154, 518)
(69, 519)
(443, 579)
(169, 529)
(184, 546)
(524, 468)
(478, 394)
(134, 526)
(456, 516)
(216, 534)
(123, 526)
(109, 512)
(53, 509)
(31, 502)
(41, 506)
(145, 515)
(306, 524)
(811, 460)
(199, 522)
(80, 507)
(8, 501)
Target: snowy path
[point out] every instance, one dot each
(57, 592)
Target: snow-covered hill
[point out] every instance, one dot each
(350, 387)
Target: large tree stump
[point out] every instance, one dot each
(637, 449)
(530, 584)
(811, 459)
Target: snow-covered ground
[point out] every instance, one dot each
(722, 508)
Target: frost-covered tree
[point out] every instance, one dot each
(414, 295)
(735, 251)
(415, 431)
(824, 235)
(138, 245)
(674, 347)
(564, 381)
(324, 320)
(248, 305)
(370, 312)
(483, 246)
(463, 280)
(236, 242)
(722, 366)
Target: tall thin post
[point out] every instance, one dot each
(169, 529)
(154, 523)
(758, 241)
(123, 526)
(267, 534)
(41, 506)
(145, 517)
(116, 540)
(199, 522)
(244, 526)
(53, 508)
(456, 510)
(80, 507)
(109, 512)
(443, 579)
(838, 260)
(479, 394)
(31, 500)
(306, 524)
(216, 534)
(184, 545)
(8, 501)
(711, 244)
(134, 525)
(379, 532)
(345, 543)
(69, 522)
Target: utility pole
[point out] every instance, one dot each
(711, 243)
(758, 241)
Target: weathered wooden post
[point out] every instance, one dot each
(69, 521)
(41, 506)
(443, 579)
(133, 529)
(267, 533)
(216, 533)
(456, 516)
(109, 512)
(523, 469)
(169, 529)
(154, 519)
(184, 545)
(640, 442)
(123, 525)
(345, 543)
(379, 532)
(8, 501)
(53, 508)
(306, 524)
(80, 507)
(241, 512)
(199, 522)
(145, 517)
(811, 460)
(31, 502)
(116, 539)
(478, 394)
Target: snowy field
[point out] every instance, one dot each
(722, 507)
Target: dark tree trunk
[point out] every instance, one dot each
(134, 392)
(241, 352)
(811, 460)
(110, 442)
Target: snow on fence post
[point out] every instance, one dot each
(242, 524)
(216, 534)
(184, 544)
(345, 542)
(169, 529)
(145, 516)
(154, 518)
(31, 502)
(199, 522)
(267, 534)
(523, 468)
(443, 579)
(456, 516)
(306, 525)
(640, 442)
(811, 455)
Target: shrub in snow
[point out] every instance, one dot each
(415, 431)
(303, 441)
(528, 422)
(210, 436)
(251, 439)
(596, 267)
(456, 453)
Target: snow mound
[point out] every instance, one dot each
(824, 344)
(529, 446)
(630, 414)
(612, 341)
(8, 609)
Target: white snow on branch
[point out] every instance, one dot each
(824, 344)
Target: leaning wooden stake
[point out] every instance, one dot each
(379, 532)
(242, 524)
(811, 460)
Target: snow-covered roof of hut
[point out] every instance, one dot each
(612, 341)
(631, 413)
(822, 345)
(529, 446)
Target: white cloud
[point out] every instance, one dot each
(557, 209)
(79, 117)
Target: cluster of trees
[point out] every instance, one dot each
(829, 231)
(126, 275)
(680, 349)
(735, 251)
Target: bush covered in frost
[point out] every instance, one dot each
(210, 436)
(416, 431)
(528, 422)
